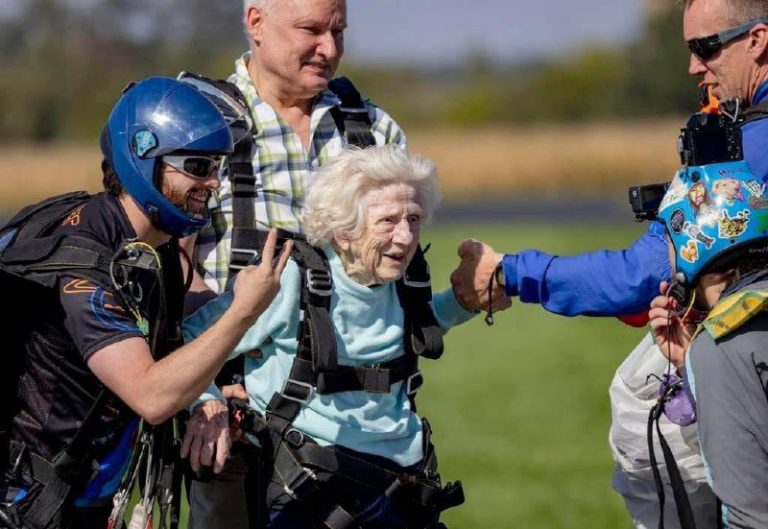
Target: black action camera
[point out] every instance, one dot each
(645, 200)
(710, 138)
(706, 139)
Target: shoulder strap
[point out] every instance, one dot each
(423, 335)
(230, 100)
(29, 251)
(755, 112)
(351, 117)
(316, 349)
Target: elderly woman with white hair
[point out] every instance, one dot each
(331, 365)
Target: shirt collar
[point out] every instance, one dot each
(761, 93)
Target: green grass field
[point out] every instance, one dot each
(520, 410)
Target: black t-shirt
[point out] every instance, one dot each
(63, 329)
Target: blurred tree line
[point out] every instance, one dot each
(63, 62)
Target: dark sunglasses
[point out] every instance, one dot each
(195, 166)
(706, 47)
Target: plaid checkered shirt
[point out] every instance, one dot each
(283, 168)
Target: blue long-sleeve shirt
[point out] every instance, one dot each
(612, 283)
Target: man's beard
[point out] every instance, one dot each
(186, 202)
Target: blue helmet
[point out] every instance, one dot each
(155, 117)
(716, 216)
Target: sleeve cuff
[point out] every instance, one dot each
(509, 265)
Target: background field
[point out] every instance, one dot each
(520, 410)
(480, 163)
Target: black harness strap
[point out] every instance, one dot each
(755, 112)
(682, 503)
(351, 117)
(245, 238)
(414, 289)
(72, 467)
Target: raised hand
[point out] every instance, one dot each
(257, 285)
(475, 273)
(671, 333)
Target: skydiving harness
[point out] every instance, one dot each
(296, 460)
(33, 257)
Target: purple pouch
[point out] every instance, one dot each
(677, 400)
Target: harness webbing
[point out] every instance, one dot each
(682, 502)
(351, 117)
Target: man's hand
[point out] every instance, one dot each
(672, 335)
(256, 286)
(474, 274)
(207, 436)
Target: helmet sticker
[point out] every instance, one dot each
(677, 220)
(732, 227)
(762, 222)
(756, 191)
(674, 194)
(693, 231)
(690, 252)
(728, 189)
(755, 188)
(143, 142)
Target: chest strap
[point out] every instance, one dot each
(352, 118)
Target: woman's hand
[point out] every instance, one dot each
(672, 335)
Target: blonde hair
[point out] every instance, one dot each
(336, 198)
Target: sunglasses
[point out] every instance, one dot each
(202, 167)
(706, 47)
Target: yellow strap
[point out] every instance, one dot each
(734, 311)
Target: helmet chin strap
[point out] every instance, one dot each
(685, 296)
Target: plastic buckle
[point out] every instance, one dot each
(319, 282)
(418, 284)
(413, 383)
(253, 254)
(291, 384)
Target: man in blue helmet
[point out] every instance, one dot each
(101, 347)
(728, 40)
(726, 366)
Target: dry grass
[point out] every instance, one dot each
(539, 160)
(551, 160)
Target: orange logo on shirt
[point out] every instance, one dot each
(79, 286)
(74, 218)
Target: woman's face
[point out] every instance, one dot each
(389, 239)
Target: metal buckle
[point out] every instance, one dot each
(413, 383)
(310, 391)
(291, 491)
(246, 251)
(318, 282)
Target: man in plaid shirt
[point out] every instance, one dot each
(295, 49)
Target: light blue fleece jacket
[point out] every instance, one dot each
(368, 322)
